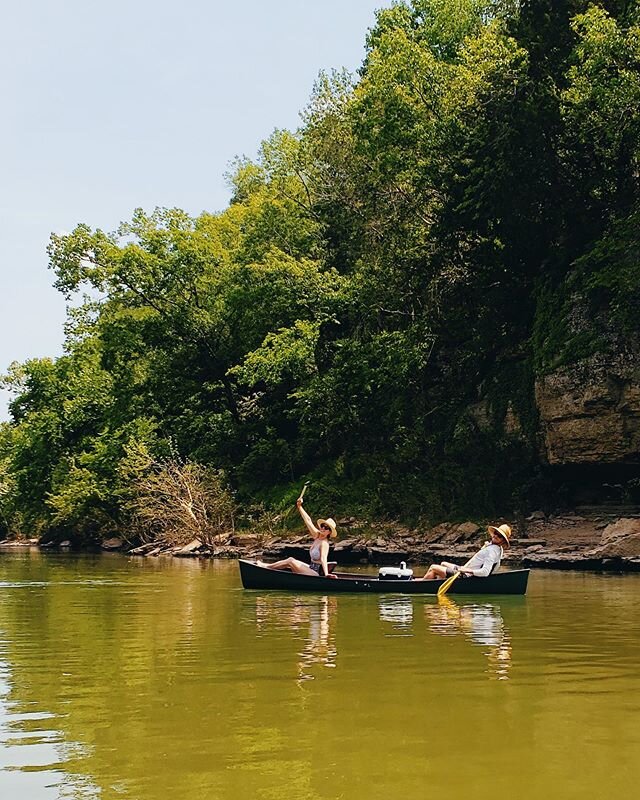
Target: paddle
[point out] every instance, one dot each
(304, 489)
(446, 585)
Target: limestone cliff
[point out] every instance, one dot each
(590, 411)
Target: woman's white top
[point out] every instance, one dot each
(485, 560)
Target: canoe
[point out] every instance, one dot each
(256, 577)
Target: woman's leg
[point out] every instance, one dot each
(293, 564)
(435, 572)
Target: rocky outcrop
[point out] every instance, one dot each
(590, 412)
(602, 537)
(619, 540)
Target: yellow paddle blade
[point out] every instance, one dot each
(445, 586)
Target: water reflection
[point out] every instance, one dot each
(311, 619)
(33, 751)
(481, 623)
(396, 610)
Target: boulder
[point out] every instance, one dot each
(188, 549)
(621, 528)
(466, 532)
(112, 544)
(621, 539)
(345, 545)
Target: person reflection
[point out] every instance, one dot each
(310, 619)
(320, 647)
(482, 624)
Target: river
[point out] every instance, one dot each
(143, 679)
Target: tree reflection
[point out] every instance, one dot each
(481, 623)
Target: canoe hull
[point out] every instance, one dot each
(255, 577)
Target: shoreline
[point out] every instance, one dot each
(597, 539)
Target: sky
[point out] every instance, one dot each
(139, 103)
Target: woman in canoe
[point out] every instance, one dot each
(482, 564)
(318, 552)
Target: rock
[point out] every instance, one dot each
(112, 544)
(511, 424)
(574, 560)
(345, 546)
(621, 528)
(244, 540)
(286, 549)
(438, 532)
(466, 531)
(619, 540)
(143, 549)
(529, 543)
(65, 543)
(590, 411)
(188, 549)
(349, 551)
(536, 515)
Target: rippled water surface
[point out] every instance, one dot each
(146, 679)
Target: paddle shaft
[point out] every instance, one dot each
(447, 584)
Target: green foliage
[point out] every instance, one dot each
(609, 275)
(455, 220)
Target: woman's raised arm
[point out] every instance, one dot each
(306, 518)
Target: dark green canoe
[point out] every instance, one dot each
(256, 577)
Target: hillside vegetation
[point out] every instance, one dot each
(375, 305)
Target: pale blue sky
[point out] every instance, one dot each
(111, 106)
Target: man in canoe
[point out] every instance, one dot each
(480, 565)
(318, 552)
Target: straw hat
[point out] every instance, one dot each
(331, 523)
(503, 530)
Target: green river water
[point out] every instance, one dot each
(145, 679)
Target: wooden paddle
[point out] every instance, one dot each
(446, 585)
(304, 489)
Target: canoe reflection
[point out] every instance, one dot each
(309, 618)
(481, 623)
(396, 610)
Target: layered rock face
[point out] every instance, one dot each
(590, 412)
